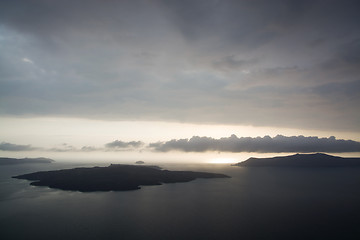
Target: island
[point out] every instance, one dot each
(10, 161)
(116, 177)
(301, 160)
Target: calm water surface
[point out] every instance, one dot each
(256, 203)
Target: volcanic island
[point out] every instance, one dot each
(116, 177)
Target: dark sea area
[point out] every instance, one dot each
(255, 203)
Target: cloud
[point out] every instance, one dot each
(89, 149)
(231, 63)
(69, 148)
(27, 60)
(223, 62)
(123, 145)
(265, 144)
(5, 146)
(63, 148)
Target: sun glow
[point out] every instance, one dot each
(223, 160)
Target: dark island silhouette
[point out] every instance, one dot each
(301, 160)
(10, 161)
(116, 177)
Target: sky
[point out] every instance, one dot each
(164, 76)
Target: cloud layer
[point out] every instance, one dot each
(277, 144)
(116, 145)
(5, 146)
(265, 144)
(123, 145)
(276, 63)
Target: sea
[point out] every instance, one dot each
(255, 203)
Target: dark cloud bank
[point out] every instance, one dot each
(265, 144)
(233, 143)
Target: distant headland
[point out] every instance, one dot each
(301, 160)
(10, 161)
(116, 177)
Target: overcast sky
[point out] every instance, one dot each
(279, 63)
